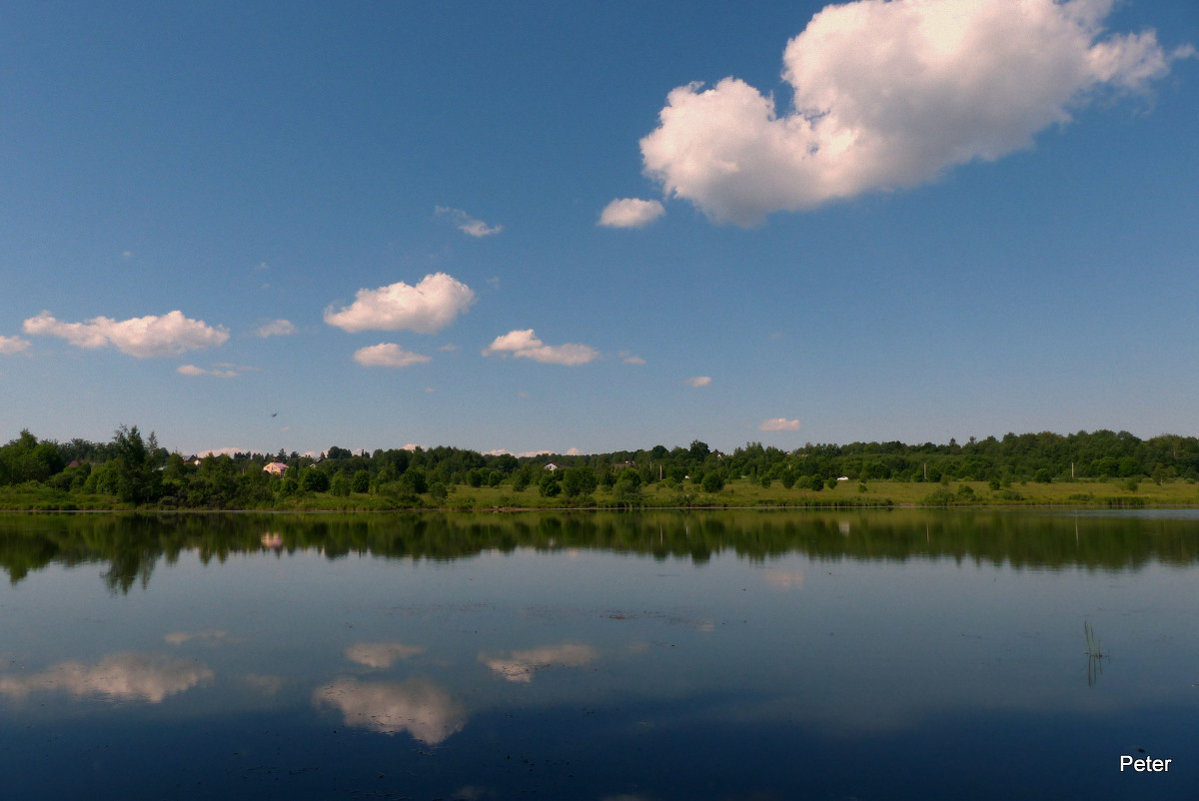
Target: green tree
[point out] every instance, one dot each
(577, 481)
(314, 480)
(340, 485)
(137, 480)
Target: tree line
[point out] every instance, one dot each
(136, 470)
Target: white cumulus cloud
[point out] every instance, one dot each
(388, 354)
(276, 328)
(779, 424)
(10, 345)
(467, 224)
(167, 335)
(524, 344)
(889, 95)
(699, 381)
(426, 308)
(630, 212)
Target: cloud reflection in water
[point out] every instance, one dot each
(521, 665)
(416, 706)
(122, 677)
(381, 654)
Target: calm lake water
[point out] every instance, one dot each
(723, 655)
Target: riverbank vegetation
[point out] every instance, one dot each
(1099, 469)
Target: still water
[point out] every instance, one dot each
(603, 657)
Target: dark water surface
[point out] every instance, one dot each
(603, 657)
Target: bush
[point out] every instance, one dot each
(713, 482)
(340, 485)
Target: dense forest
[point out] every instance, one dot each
(135, 470)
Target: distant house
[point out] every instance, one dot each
(274, 468)
(551, 467)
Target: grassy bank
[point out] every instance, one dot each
(737, 493)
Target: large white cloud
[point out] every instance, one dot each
(416, 706)
(388, 354)
(426, 308)
(126, 677)
(524, 344)
(152, 335)
(630, 212)
(889, 95)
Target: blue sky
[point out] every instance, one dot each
(259, 225)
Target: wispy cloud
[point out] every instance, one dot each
(889, 95)
(520, 666)
(191, 369)
(167, 335)
(10, 345)
(525, 345)
(779, 424)
(467, 224)
(699, 381)
(211, 636)
(629, 358)
(276, 328)
(426, 308)
(388, 354)
(630, 212)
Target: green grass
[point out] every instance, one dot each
(736, 493)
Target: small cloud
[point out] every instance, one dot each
(227, 452)
(629, 358)
(630, 212)
(210, 636)
(784, 579)
(167, 335)
(276, 328)
(520, 666)
(699, 381)
(388, 354)
(467, 224)
(426, 308)
(524, 344)
(381, 654)
(191, 369)
(11, 345)
(779, 424)
(448, 348)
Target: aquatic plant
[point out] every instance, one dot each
(1094, 649)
